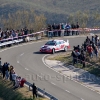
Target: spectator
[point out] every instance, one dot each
(93, 39)
(0, 33)
(34, 91)
(13, 34)
(78, 48)
(7, 70)
(22, 82)
(96, 51)
(83, 58)
(14, 76)
(3, 70)
(17, 82)
(77, 27)
(11, 71)
(25, 31)
(0, 66)
(90, 50)
(74, 55)
(67, 28)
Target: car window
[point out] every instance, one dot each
(57, 43)
(50, 43)
(61, 42)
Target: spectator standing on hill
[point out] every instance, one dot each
(0, 66)
(73, 27)
(74, 55)
(96, 51)
(3, 70)
(83, 58)
(14, 76)
(88, 40)
(17, 82)
(77, 27)
(7, 70)
(0, 33)
(67, 28)
(25, 31)
(13, 33)
(62, 26)
(90, 50)
(93, 39)
(34, 91)
(11, 71)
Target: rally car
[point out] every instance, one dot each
(53, 46)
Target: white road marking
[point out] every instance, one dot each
(67, 91)
(82, 99)
(17, 61)
(39, 76)
(53, 83)
(26, 68)
(21, 54)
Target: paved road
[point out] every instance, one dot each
(28, 63)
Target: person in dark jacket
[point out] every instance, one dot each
(3, 70)
(83, 58)
(0, 66)
(74, 57)
(34, 90)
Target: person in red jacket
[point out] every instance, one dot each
(90, 50)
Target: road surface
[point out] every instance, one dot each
(28, 63)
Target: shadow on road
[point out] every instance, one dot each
(39, 52)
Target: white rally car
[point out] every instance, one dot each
(53, 46)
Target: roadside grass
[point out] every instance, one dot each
(92, 65)
(7, 92)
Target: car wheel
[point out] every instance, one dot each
(53, 51)
(65, 49)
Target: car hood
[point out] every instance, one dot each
(47, 46)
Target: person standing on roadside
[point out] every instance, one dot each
(96, 51)
(7, 70)
(3, 70)
(0, 66)
(77, 27)
(83, 58)
(34, 90)
(10, 72)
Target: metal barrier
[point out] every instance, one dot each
(21, 39)
(44, 93)
(70, 32)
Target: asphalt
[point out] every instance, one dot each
(28, 63)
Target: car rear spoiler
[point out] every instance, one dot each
(67, 40)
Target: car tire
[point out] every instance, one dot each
(53, 51)
(65, 49)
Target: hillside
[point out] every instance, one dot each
(53, 9)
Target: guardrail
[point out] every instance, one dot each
(43, 92)
(21, 39)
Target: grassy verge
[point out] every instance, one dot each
(7, 92)
(93, 65)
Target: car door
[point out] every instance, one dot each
(57, 46)
(62, 45)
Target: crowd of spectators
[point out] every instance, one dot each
(62, 26)
(90, 47)
(4, 34)
(8, 73)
